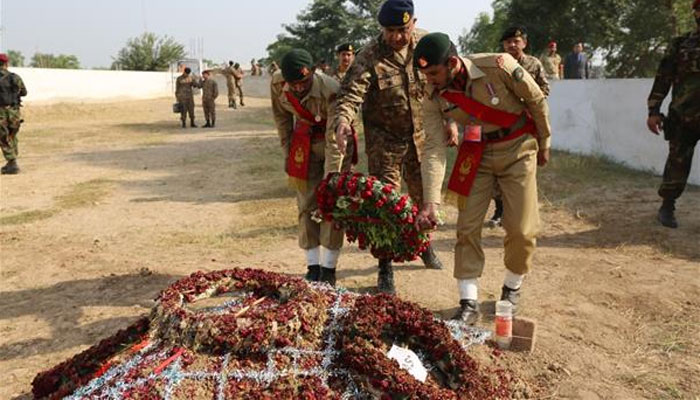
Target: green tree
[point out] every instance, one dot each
(16, 58)
(61, 61)
(148, 52)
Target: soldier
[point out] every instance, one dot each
(238, 78)
(345, 53)
(253, 67)
(551, 61)
(273, 68)
(229, 73)
(385, 83)
(507, 135)
(302, 106)
(514, 43)
(210, 91)
(183, 92)
(679, 68)
(12, 89)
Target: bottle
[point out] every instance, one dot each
(504, 324)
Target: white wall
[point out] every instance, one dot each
(608, 117)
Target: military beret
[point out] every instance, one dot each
(4, 58)
(515, 31)
(696, 4)
(345, 47)
(432, 49)
(395, 13)
(296, 65)
(551, 44)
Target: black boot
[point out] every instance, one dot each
(497, 218)
(231, 104)
(385, 277)
(207, 125)
(11, 168)
(313, 273)
(468, 312)
(213, 122)
(183, 124)
(666, 214)
(242, 105)
(430, 259)
(512, 295)
(328, 276)
(192, 124)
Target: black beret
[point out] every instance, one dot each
(296, 65)
(514, 31)
(345, 47)
(432, 49)
(395, 13)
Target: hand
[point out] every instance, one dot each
(342, 132)
(655, 123)
(542, 157)
(451, 134)
(427, 218)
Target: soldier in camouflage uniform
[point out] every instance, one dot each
(238, 80)
(229, 73)
(11, 90)
(385, 83)
(345, 53)
(184, 86)
(679, 68)
(210, 91)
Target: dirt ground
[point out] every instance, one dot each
(115, 201)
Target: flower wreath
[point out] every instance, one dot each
(283, 311)
(372, 213)
(376, 320)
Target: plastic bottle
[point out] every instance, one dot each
(504, 324)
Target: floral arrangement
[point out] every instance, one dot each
(376, 322)
(372, 213)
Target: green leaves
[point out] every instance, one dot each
(148, 52)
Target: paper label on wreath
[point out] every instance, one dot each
(409, 361)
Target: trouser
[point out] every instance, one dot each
(681, 146)
(239, 92)
(186, 107)
(10, 121)
(231, 92)
(209, 107)
(513, 164)
(391, 161)
(311, 233)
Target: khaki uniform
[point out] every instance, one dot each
(238, 81)
(13, 89)
(325, 157)
(210, 91)
(229, 73)
(552, 66)
(185, 96)
(513, 164)
(390, 91)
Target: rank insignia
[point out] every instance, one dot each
(422, 62)
(406, 17)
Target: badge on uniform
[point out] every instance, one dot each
(492, 92)
(472, 133)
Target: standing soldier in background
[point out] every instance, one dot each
(302, 106)
(253, 67)
(551, 61)
(507, 136)
(11, 90)
(210, 91)
(229, 73)
(345, 54)
(273, 68)
(238, 78)
(679, 68)
(389, 88)
(183, 92)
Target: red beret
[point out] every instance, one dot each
(4, 58)
(696, 4)
(553, 43)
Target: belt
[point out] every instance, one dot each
(503, 134)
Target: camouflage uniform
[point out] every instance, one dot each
(338, 75)
(679, 68)
(552, 65)
(534, 67)
(238, 78)
(185, 96)
(229, 73)
(11, 89)
(210, 91)
(390, 91)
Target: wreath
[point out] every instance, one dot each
(281, 311)
(375, 321)
(372, 213)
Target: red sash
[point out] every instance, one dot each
(470, 153)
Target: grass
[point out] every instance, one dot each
(27, 217)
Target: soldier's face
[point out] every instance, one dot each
(398, 37)
(301, 87)
(345, 58)
(440, 76)
(514, 46)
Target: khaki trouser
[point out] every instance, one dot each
(311, 233)
(209, 107)
(513, 165)
(231, 91)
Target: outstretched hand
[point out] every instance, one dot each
(427, 218)
(342, 132)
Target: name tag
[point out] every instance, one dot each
(472, 133)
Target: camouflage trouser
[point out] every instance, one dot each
(9, 127)
(391, 161)
(231, 91)
(681, 146)
(186, 107)
(209, 107)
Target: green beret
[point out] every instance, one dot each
(296, 65)
(345, 47)
(514, 31)
(432, 49)
(395, 13)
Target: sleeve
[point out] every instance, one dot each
(541, 79)
(333, 157)
(525, 87)
(434, 160)
(22, 90)
(284, 120)
(216, 89)
(353, 90)
(663, 80)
